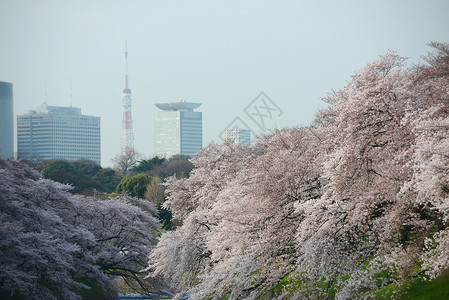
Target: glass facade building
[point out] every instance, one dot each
(239, 136)
(179, 129)
(6, 120)
(55, 132)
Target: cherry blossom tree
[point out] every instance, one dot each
(124, 230)
(55, 245)
(238, 215)
(356, 202)
(258, 215)
(372, 217)
(430, 182)
(42, 255)
(346, 227)
(182, 255)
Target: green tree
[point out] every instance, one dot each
(155, 193)
(134, 185)
(86, 167)
(107, 180)
(146, 165)
(64, 172)
(84, 175)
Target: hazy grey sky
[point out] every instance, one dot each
(219, 53)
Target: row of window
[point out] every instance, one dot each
(56, 124)
(67, 129)
(36, 150)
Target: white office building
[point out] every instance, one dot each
(179, 129)
(56, 132)
(239, 136)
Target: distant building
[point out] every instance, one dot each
(56, 132)
(179, 129)
(239, 136)
(6, 120)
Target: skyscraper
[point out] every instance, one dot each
(6, 120)
(239, 136)
(179, 129)
(56, 132)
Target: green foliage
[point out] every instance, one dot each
(178, 165)
(326, 287)
(158, 169)
(86, 167)
(165, 217)
(146, 165)
(134, 185)
(84, 175)
(288, 283)
(418, 288)
(64, 172)
(107, 180)
(155, 193)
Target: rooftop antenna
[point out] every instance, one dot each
(126, 63)
(71, 91)
(46, 96)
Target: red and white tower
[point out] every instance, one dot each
(127, 139)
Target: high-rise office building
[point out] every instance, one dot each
(239, 136)
(6, 120)
(179, 129)
(56, 132)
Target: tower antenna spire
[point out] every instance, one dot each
(126, 64)
(46, 88)
(71, 91)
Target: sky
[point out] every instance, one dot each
(222, 54)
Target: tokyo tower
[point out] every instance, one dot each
(127, 138)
